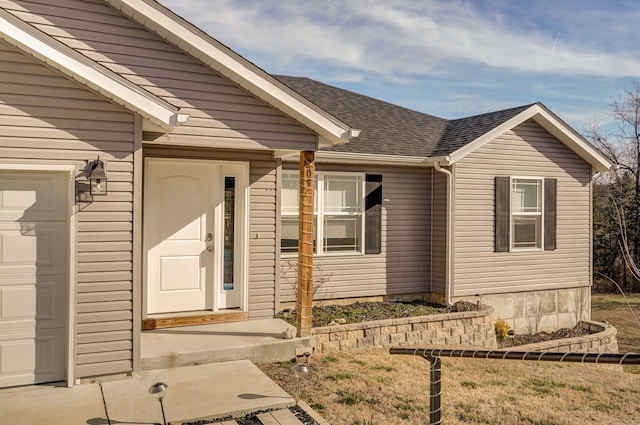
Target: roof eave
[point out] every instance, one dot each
(78, 67)
(553, 125)
(363, 158)
(220, 58)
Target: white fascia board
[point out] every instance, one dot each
(553, 125)
(214, 54)
(573, 140)
(367, 159)
(46, 49)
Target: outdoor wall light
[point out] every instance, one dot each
(97, 178)
(158, 390)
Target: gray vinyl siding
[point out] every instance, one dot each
(402, 267)
(221, 114)
(47, 119)
(262, 219)
(528, 150)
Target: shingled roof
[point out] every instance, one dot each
(389, 129)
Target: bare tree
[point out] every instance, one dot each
(618, 191)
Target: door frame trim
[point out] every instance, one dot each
(243, 271)
(71, 239)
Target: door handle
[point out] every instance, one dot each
(209, 248)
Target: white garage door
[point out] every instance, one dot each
(33, 277)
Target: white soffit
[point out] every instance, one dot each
(256, 81)
(553, 125)
(46, 49)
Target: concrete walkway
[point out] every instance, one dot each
(206, 391)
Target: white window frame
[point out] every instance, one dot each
(319, 213)
(540, 214)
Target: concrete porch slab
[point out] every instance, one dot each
(260, 341)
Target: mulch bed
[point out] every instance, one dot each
(544, 336)
(367, 311)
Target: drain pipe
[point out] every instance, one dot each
(448, 232)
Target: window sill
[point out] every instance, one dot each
(331, 255)
(526, 250)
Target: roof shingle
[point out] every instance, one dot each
(389, 129)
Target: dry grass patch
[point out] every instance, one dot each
(614, 309)
(373, 387)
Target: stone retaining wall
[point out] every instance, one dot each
(470, 328)
(603, 341)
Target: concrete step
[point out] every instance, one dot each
(279, 417)
(260, 341)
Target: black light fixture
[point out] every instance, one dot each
(97, 178)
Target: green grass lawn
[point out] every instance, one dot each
(619, 312)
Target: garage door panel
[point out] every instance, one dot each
(51, 308)
(50, 355)
(32, 196)
(32, 248)
(17, 356)
(17, 302)
(51, 258)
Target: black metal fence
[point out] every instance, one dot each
(435, 372)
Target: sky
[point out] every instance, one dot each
(449, 58)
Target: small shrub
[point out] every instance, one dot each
(469, 384)
(502, 328)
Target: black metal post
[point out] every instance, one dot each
(435, 390)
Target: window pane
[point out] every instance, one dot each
(290, 193)
(290, 186)
(527, 196)
(289, 234)
(342, 233)
(229, 231)
(342, 194)
(526, 231)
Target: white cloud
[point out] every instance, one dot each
(398, 38)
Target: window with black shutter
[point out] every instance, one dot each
(525, 213)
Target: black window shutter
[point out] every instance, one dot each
(550, 197)
(373, 214)
(503, 212)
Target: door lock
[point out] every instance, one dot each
(209, 237)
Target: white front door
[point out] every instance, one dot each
(191, 208)
(33, 277)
